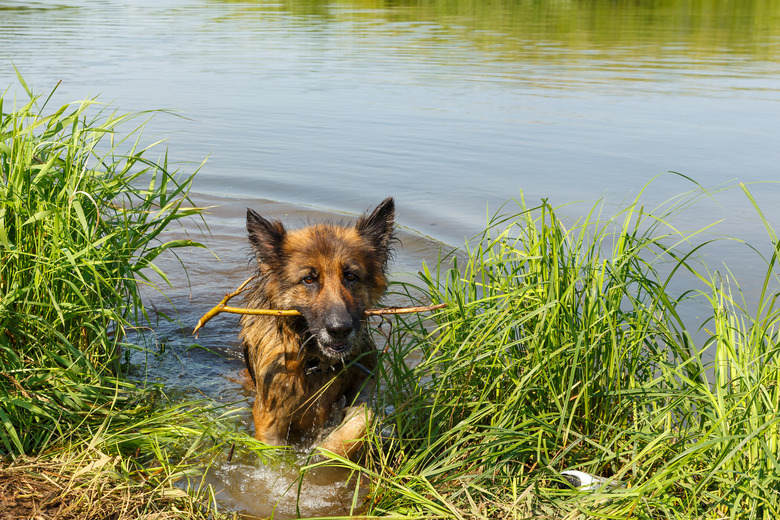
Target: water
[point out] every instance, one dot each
(313, 109)
(450, 107)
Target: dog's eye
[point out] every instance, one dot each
(350, 277)
(308, 279)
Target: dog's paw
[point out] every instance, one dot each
(348, 437)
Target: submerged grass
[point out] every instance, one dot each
(562, 347)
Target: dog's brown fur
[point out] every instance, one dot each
(309, 368)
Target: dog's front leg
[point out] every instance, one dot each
(269, 428)
(348, 437)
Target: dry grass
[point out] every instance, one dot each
(88, 486)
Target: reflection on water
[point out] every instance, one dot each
(245, 483)
(450, 106)
(517, 29)
(314, 108)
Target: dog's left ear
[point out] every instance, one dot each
(378, 226)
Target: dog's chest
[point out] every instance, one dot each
(323, 395)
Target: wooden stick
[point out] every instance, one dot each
(403, 310)
(223, 307)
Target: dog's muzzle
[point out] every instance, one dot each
(337, 336)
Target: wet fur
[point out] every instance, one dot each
(314, 370)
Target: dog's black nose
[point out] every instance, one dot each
(339, 328)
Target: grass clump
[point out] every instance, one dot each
(79, 223)
(562, 348)
(83, 216)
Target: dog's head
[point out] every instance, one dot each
(331, 274)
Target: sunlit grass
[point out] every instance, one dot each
(84, 213)
(562, 347)
(81, 213)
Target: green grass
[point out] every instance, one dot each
(84, 213)
(562, 347)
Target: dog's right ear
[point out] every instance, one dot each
(265, 236)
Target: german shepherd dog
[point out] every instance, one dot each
(315, 370)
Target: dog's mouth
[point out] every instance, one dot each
(335, 349)
(334, 338)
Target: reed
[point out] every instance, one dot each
(562, 347)
(84, 214)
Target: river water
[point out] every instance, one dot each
(312, 109)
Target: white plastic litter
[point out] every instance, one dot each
(587, 482)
